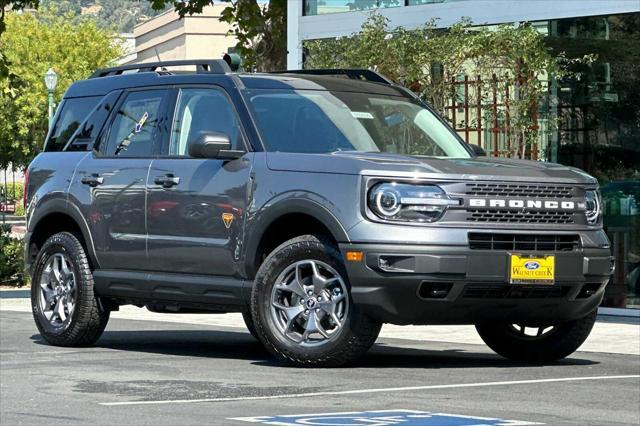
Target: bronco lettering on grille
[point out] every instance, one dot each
(522, 204)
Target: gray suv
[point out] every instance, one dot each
(320, 204)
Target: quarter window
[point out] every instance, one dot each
(74, 111)
(86, 135)
(135, 129)
(200, 111)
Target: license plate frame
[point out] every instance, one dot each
(522, 269)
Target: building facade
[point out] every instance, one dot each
(598, 116)
(170, 38)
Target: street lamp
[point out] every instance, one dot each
(51, 81)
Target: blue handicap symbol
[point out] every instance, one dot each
(382, 418)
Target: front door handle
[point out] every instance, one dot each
(167, 181)
(92, 180)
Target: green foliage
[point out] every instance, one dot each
(19, 209)
(13, 5)
(32, 43)
(261, 32)
(260, 27)
(119, 15)
(13, 191)
(183, 7)
(428, 60)
(11, 257)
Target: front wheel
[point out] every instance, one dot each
(64, 305)
(302, 309)
(537, 344)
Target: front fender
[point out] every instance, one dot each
(299, 202)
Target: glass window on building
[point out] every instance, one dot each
(320, 7)
(599, 131)
(416, 2)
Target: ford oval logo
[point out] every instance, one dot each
(532, 265)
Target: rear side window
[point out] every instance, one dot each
(135, 130)
(73, 112)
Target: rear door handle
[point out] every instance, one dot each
(92, 180)
(167, 181)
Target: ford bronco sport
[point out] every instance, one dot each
(320, 204)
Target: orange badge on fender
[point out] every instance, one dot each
(227, 218)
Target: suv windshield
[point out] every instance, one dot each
(312, 121)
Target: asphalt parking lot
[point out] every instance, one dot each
(151, 372)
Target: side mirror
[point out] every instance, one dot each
(477, 150)
(213, 145)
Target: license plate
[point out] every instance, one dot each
(532, 269)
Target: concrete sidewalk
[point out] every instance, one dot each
(610, 335)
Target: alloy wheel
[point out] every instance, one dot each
(58, 290)
(309, 303)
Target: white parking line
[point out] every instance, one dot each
(378, 390)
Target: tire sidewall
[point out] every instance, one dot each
(59, 243)
(560, 343)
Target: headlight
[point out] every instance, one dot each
(409, 203)
(593, 206)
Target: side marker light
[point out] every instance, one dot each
(355, 256)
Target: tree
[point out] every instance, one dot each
(119, 15)
(32, 43)
(13, 5)
(509, 59)
(260, 27)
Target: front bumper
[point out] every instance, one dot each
(457, 285)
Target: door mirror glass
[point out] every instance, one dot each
(212, 145)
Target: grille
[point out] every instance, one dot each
(523, 242)
(519, 190)
(515, 292)
(518, 216)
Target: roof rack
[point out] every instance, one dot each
(214, 66)
(355, 74)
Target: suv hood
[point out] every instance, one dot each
(394, 165)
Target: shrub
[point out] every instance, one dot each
(11, 257)
(13, 191)
(19, 209)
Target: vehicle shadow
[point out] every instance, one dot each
(240, 345)
(386, 355)
(188, 343)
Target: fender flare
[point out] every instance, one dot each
(65, 207)
(266, 216)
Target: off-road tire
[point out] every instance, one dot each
(88, 320)
(248, 321)
(562, 342)
(357, 334)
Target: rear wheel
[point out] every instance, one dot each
(537, 344)
(302, 309)
(65, 307)
(248, 321)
